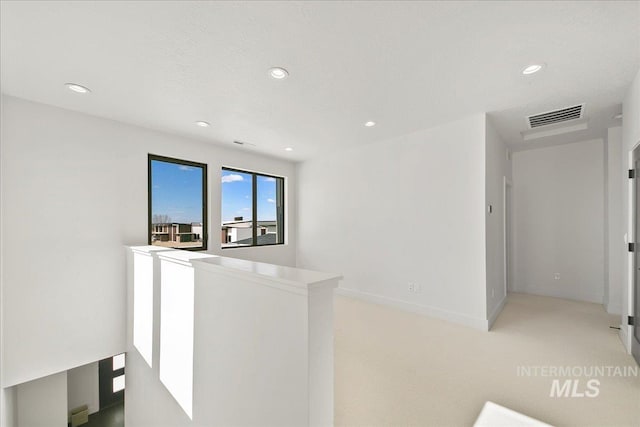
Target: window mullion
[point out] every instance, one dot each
(254, 179)
(280, 210)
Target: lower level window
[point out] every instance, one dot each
(111, 380)
(252, 209)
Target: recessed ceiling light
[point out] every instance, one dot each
(618, 116)
(288, 149)
(278, 73)
(533, 68)
(370, 124)
(203, 124)
(77, 88)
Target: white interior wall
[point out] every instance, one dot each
(498, 167)
(8, 407)
(615, 247)
(7, 396)
(83, 387)
(43, 402)
(630, 138)
(399, 211)
(275, 367)
(558, 221)
(70, 172)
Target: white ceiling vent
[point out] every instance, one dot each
(555, 116)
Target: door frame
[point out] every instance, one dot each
(507, 213)
(632, 343)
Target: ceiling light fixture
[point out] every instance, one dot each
(203, 124)
(533, 68)
(77, 88)
(288, 149)
(278, 73)
(617, 116)
(370, 124)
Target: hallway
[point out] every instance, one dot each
(398, 368)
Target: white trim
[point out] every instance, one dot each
(632, 267)
(505, 183)
(595, 298)
(496, 313)
(424, 310)
(631, 232)
(623, 335)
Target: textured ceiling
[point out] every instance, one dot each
(405, 65)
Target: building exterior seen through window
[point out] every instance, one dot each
(177, 203)
(252, 209)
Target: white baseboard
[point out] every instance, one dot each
(546, 292)
(429, 311)
(496, 312)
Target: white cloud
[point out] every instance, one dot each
(246, 209)
(271, 201)
(185, 168)
(232, 178)
(269, 179)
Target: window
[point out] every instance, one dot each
(177, 203)
(118, 364)
(118, 383)
(252, 209)
(111, 380)
(118, 361)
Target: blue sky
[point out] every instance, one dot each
(236, 196)
(176, 191)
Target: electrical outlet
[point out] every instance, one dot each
(556, 276)
(412, 287)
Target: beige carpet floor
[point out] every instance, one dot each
(394, 368)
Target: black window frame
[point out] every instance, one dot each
(205, 200)
(280, 207)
